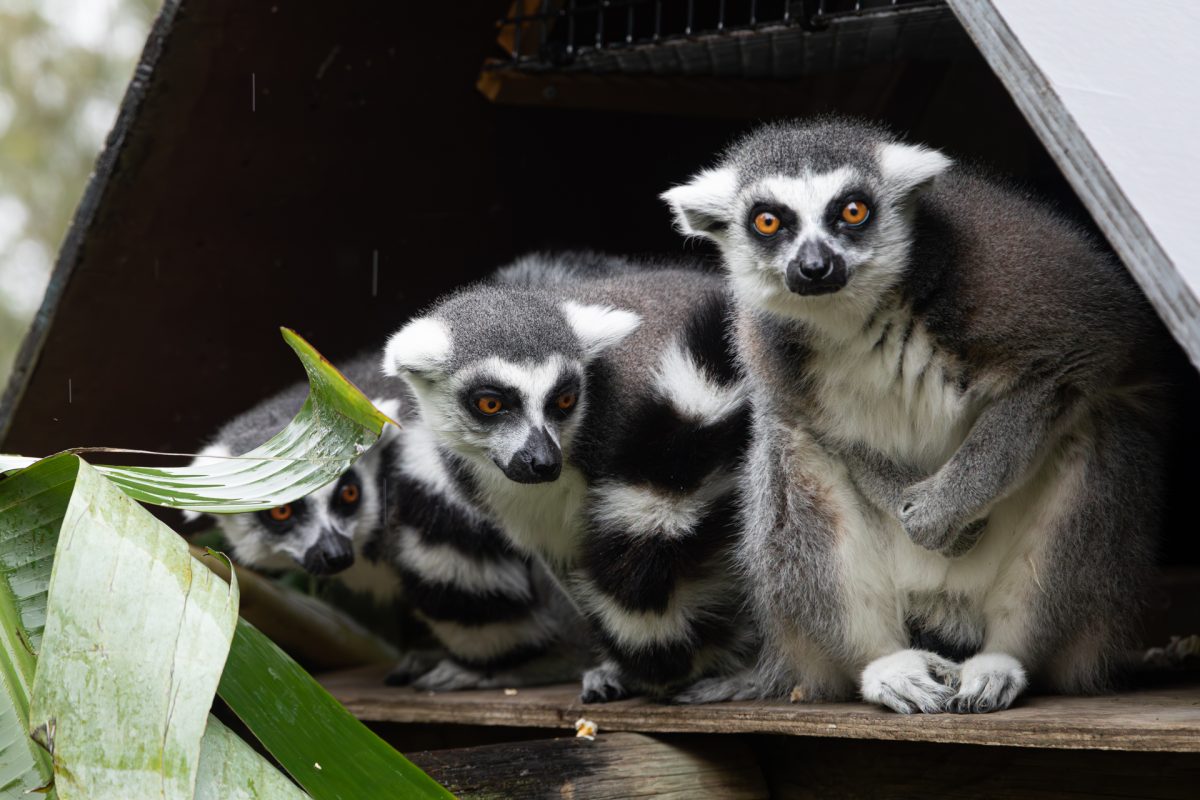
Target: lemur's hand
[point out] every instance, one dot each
(966, 538)
(932, 521)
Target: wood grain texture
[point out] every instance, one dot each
(614, 766)
(1154, 719)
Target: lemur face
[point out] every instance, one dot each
(516, 415)
(809, 216)
(315, 533)
(500, 375)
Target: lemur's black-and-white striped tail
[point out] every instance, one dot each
(655, 578)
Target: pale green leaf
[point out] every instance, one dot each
(335, 426)
(312, 736)
(230, 769)
(32, 505)
(135, 639)
(10, 463)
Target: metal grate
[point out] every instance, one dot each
(656, 35)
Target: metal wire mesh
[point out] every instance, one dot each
(598, 35)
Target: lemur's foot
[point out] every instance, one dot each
(413, 665)
(602, 685)
(448, 676)
(989, 682)
(910, 681)
(715, 690)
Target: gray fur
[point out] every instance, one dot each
(491, 319)
(965, 432)
(545, 269)
(789, 149)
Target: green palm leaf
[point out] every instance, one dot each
(333, 755)
(336, 425)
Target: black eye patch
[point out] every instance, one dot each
(787, 223)
(478, 399)
(281, 519)
(838, 223)
(564, 397)
(347, 495)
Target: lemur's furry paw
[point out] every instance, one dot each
(602, 685)
(448, 676)
(989, 682)
(716, 690)
(935, 524)
(927, 519)
(966, 539)
(413, 665)
(910, 681)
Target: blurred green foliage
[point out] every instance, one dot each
(64, 65)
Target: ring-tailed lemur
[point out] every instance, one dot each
(599, 421)
(392, 526)
(335, 529)
(503, 621)
(955, 427)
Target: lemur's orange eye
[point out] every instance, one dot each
(566, 401)
(766, 223)
(349, 493)
(489, 404)
(855, 212)
(281, 513)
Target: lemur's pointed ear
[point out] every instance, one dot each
(599, 327)
(908, 166)
(212, 450)
(420, 348)
(702, 205)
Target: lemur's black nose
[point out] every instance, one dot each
(331, 554)
(539, 460)
(816, 269)
(546, 470)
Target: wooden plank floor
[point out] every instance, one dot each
(619, 765)
(1165, 718)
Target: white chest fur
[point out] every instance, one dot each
(891, 388)
(543, 519)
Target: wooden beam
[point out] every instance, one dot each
(615, 765)
(1164, 718)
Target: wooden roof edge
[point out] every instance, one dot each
(1079, 161)
(71, 250)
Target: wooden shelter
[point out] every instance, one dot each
(335, 167)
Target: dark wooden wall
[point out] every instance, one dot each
(228, 214)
